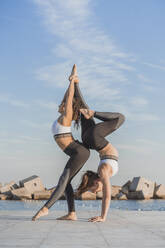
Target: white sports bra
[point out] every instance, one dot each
(113, 163)
(57, 128)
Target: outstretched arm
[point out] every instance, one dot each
(106, 196)
(66, 117)
(105, 179)
(72, 76)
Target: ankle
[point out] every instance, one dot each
(45, 209)
(73, 213)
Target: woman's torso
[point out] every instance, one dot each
(109, 156)
(109, 149)
(62, 133)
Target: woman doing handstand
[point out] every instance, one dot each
(93, 137)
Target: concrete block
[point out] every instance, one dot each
(127, 184)
(121, 196)
(4, 197)
(14, 186)
(159, 192)
(146, 187)
(115, 191)
(4, 189)
(51, 191)
(42, 195)
(88, 196)
(7, 187)
(125, 188)
(32, 184)
(137, 195)
(21, 193)
(134, 184)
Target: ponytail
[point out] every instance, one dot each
(87, 181)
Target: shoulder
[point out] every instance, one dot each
(63, 120)
(103, 170)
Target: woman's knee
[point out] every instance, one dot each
(122, 117)
(86, 153)
(121, 120)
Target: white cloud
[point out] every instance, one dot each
(142, 146)
(102, 67)
(161, 67)
(131, 147)
(9, 99)
(22, 139)
(148, 142)
(135, 148)
(47, 105)
(150, 88)
(147, 83)
(37, 125)
(144, 78)
(100, 62)
(142, 117)
(138, 101)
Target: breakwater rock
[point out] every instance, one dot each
(32, 188)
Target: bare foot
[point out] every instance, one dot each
(74, 70)
(70, 216)
(88, 113)
(44, 211)
(73, 75)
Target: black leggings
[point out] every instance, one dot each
(78, 156)
(77, 94)
(93, 135)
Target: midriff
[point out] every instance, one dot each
(109, 149)
(64, 142)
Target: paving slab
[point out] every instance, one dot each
(123, 229)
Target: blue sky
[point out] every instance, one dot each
(118, 47)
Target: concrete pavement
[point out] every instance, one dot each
(124, 229)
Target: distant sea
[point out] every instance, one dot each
(138, 205)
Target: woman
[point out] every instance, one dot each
(78, 153)
(93, 137)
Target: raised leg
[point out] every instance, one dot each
(78, 94)
(111, 122)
